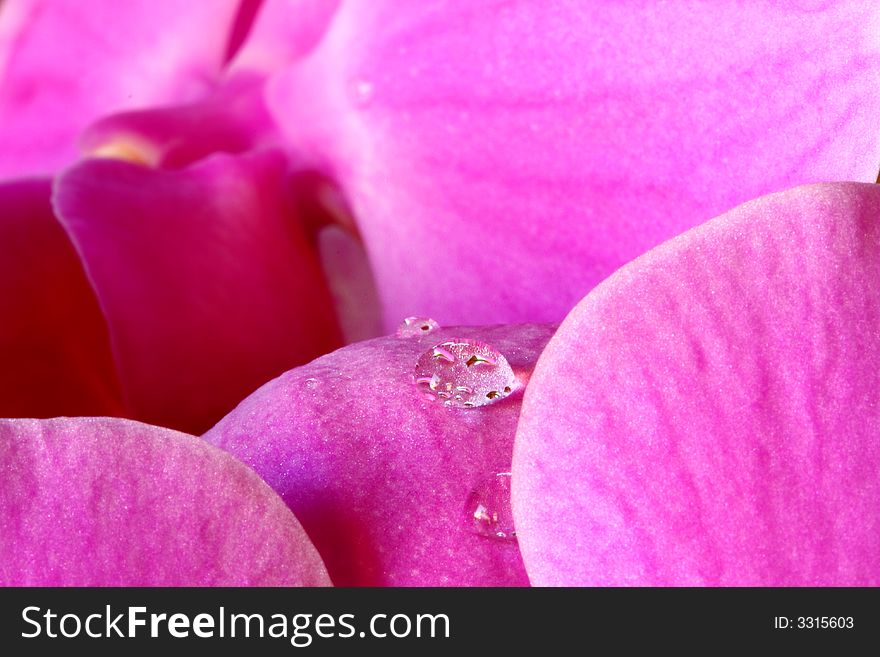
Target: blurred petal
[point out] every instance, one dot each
(283, 30)
(209, 284)
(233, 119)
(478, 139)
(64, 63)
(105, 502)
(351, 284)
(53, 338)
(380, 477)
(241, 27)
(710, 415)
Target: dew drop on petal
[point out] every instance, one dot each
(467, 372)
(361, 92)
(488, 509)
(415, 326)
(311, 383)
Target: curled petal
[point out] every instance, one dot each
(379, 476)
(710, 415)
(208, 282)
(54, 345)
(107, 502)
(64, 63)
(232, 119)
(476, 138)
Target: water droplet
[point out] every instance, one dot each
(415, 326)
(469, 373)
(488, 508)
(362, 90)
(311, 383)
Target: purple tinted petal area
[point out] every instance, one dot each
(379, 476)
(208, 281)
(108, 502)
(64, 63)
(54, 345)
(478, 139)
(710, 415)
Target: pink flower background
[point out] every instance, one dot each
(214, 216)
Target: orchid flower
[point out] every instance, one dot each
(495, 162)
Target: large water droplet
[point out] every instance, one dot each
(488, 508)
(415, 326)
(473, 372)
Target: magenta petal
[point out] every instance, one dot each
(106, 502)
(379, 476)
(478, 141)
(209, 284)
(54, 346)
(710, 415)
(63, 63)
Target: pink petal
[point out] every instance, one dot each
(63, 63)
(379, 476)
(105, 502)
(209, 284)
(710, 415)
(478, 139)
(54, 345)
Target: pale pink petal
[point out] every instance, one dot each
(208, 281)
(710, 415)
(64, 63)
(503, 158)
(108, 502)
(351, 283)
(379, 476)
(54, 346)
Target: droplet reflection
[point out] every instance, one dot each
(488, 508)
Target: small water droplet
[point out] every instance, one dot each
(488, 508)
(311, 383)
(363, 92)
(476, 372)
(414, 326)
